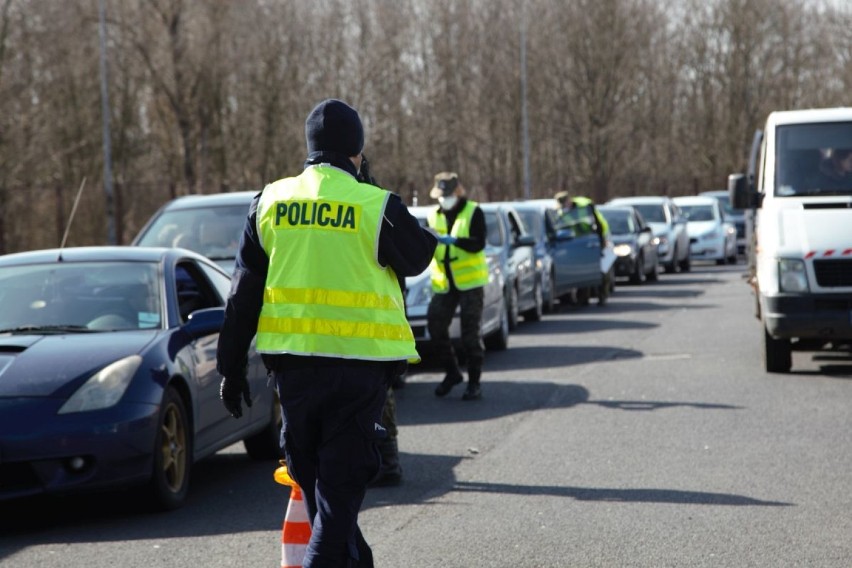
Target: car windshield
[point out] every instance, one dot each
(652, 213)
(493, 236)
(620, 222)
(725, 202)
(211, 231)
(697, 212)
(63, 297)
(532, 220)
(813, 159)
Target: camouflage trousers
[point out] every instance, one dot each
(389, 415)
(442, 308)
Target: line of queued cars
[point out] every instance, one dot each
(107, 354)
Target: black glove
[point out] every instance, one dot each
(230, 392)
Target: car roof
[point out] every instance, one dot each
(95, 254)
(211, 200)
(715, 193)
(656, 199)
(695, 200)
(623, 208)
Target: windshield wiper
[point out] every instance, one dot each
(53, 328)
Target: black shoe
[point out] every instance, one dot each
(472, 392)
(451, 380)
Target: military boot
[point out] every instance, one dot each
(390, 472)
(452, 378)
(473, 390)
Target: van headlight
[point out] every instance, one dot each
(792, 276)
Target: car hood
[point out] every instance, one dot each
(39, 365)
(698, 228)
(660, 228)
(623, 239)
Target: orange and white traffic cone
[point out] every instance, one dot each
(297, 528)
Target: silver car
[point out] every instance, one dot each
(669, 226)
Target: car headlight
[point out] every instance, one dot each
(792, 276)
(622, 250)
(104, 388)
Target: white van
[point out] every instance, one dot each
(800, 185)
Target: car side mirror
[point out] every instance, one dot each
(646, 230)
(742, 193)
(204, 322)
(565, 234)
(525, 241)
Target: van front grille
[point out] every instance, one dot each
(833, 273)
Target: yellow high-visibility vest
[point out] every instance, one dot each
(469, 269)
(326, 293)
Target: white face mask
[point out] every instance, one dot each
(448, 202)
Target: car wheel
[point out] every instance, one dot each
(653, 274)
(672, 266)
(777, 354)
(499, 339)
(550, 295)
(172, 454)
(686, 263)
(266, 444)
(534, 313)
(583, 295)
(512, 307)
(638, 274)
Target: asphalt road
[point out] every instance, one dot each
(643, 433)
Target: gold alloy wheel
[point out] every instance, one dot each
(173, 448)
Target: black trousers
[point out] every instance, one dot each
(332, 423)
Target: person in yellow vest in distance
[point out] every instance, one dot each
(575, 210)
(459, 274)
(316, 280)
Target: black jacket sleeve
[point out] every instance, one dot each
(404, 244)
(245, 301)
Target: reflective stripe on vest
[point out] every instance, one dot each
(326, 293)
(469, 269)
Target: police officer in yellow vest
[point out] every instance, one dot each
(316, 280)
(459, 274)
(577, 208)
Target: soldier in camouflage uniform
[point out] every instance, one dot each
(459, 274)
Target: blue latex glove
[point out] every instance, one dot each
(446, 239)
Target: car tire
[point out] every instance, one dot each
(550, 296)
(638, 274)
(671, 267)
(653, 274)
(266, 444)
(512, 307)
(777, 354)
(169, 482)
(583, 296)
(686, 264)
(534, 313)
(499, 339)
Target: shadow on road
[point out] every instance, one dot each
(638, 495)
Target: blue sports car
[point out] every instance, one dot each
(108, 373)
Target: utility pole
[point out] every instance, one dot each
(108, 193)
(525, 135)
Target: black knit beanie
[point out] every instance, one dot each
(334, 126)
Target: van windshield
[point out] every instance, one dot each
(813, 159)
